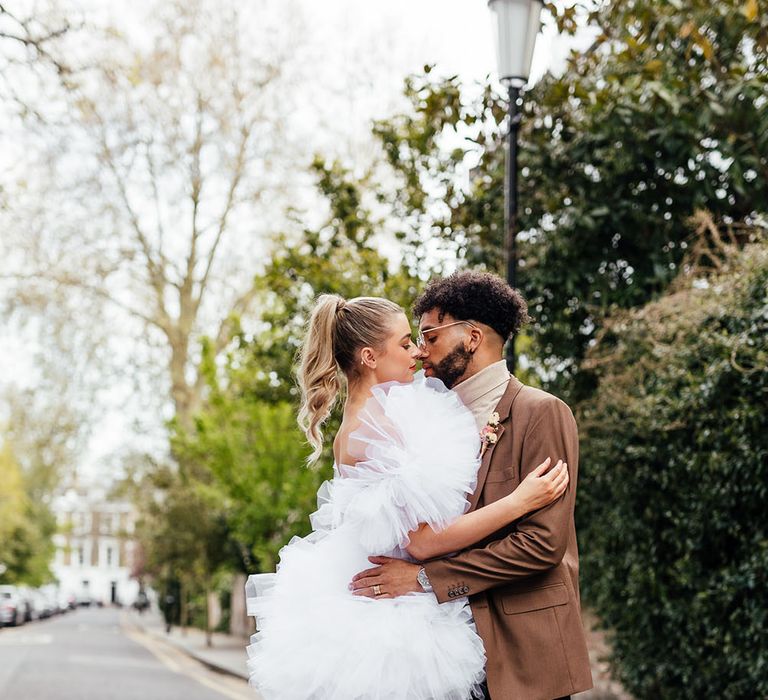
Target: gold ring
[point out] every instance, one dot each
(376, 589)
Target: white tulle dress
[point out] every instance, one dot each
(417, 451)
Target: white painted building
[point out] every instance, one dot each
(95, 552)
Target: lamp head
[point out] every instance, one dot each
(517, 24)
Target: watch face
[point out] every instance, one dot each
(423, 579)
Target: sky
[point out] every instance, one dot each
(455, 34)
(371, 45)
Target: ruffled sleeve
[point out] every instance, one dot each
(420, 458)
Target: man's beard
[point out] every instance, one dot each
(453, 366)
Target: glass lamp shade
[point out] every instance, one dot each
(517, 24)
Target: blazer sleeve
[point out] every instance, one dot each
(540, 540)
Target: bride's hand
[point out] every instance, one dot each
(541, 487)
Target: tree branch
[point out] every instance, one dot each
(28, 39)
(187, 305)
(66, 281)
(151, 167)
(157, 277)
(245, 133)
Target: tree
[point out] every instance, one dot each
(43, 434)
(47, 430)
(674, 472)
(44, 430)
(30, 46)
(26, 526)
(665, 114)
(171, 156)
(13, 502)
(184, 535)
(254, 460)
(13, 496)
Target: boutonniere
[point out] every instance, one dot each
(489, 433)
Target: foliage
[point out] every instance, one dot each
(674, 484)
(12, 497)
(665, 114)
(179, 528)
(255, 455)
(26, 527)
(184, 537)
(42, 436)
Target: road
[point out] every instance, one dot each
(88, 655)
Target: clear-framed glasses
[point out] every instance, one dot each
(421, 342)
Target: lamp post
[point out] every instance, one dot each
(517, 24)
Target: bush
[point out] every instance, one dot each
(673, 507)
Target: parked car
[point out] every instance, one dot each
(67, 602)
(12, 606)
(30, 603)
(84, 600)
(46, 601)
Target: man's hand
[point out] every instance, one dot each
(394, 577)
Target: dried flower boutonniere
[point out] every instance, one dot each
(488, 435)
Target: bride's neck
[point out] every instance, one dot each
(358, 393)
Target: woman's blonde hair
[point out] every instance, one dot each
(337, 330)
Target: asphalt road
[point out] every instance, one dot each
(88, 655)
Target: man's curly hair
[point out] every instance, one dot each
(475, 296)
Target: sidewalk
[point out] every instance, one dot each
(227, 655)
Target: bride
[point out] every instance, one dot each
(406, 458)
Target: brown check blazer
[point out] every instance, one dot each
(523, 581)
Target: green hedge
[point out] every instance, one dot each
(673, 510)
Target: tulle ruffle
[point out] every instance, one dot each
(316, 641)
(418, 448)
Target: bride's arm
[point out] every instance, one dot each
(538, 489)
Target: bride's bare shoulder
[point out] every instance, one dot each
(342, 450)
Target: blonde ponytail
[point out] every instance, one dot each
(319, 372)
(336, 330)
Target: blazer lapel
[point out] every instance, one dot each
(504, 409)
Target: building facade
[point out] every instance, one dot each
(95, 550)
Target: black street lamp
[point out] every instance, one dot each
(517, 24)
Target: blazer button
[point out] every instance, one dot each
(465, 589)
(450, 594)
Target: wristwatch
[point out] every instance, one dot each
(423, 580)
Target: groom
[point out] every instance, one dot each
(523, 581)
